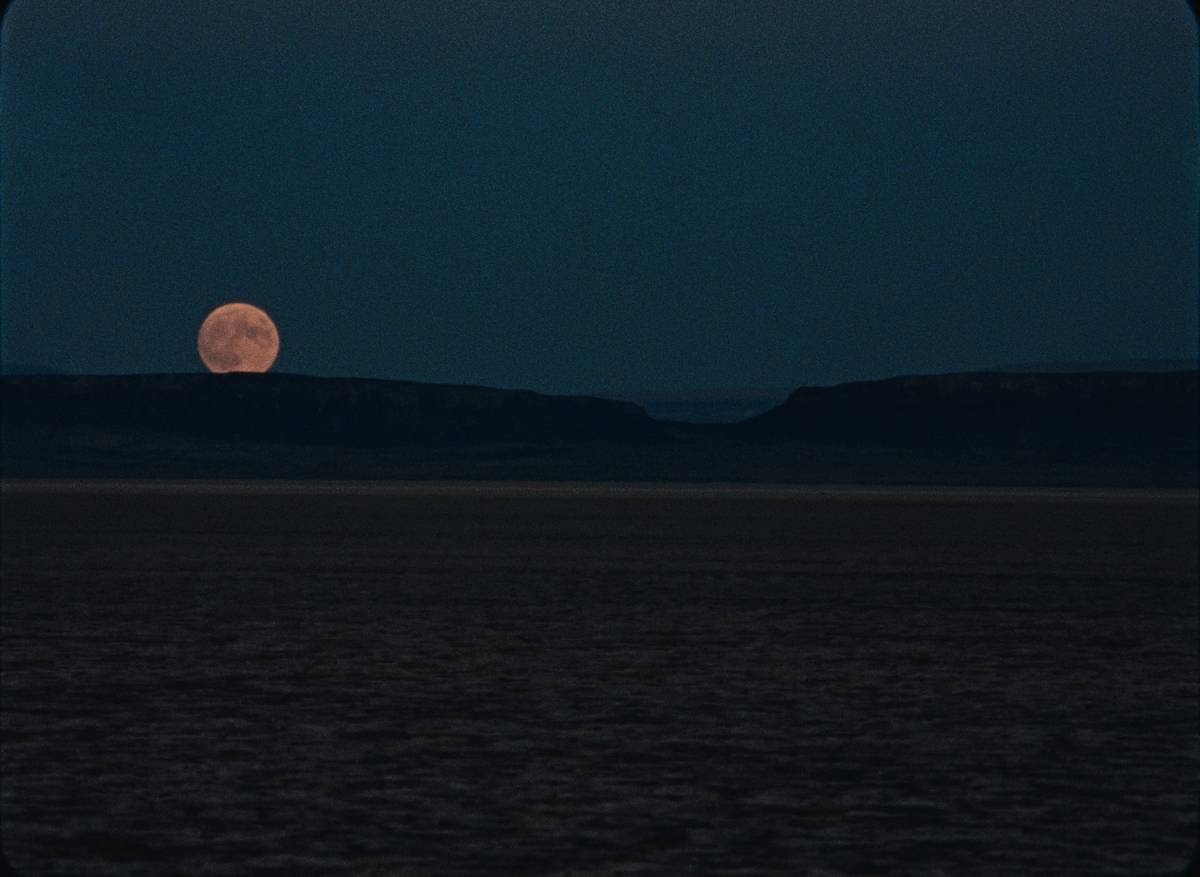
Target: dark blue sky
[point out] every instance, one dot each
(587, 196)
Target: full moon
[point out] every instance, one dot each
(238, 337)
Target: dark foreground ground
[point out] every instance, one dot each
(442, 679)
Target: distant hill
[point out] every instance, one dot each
(1101, 429)
(704, 406)
(307, 410)
(1130, 410)
(721, 405)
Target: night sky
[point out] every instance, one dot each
(601, 196)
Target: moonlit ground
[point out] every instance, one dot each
(429, 679)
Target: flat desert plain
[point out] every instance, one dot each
(455, 678)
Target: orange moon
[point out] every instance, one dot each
(238, 337)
